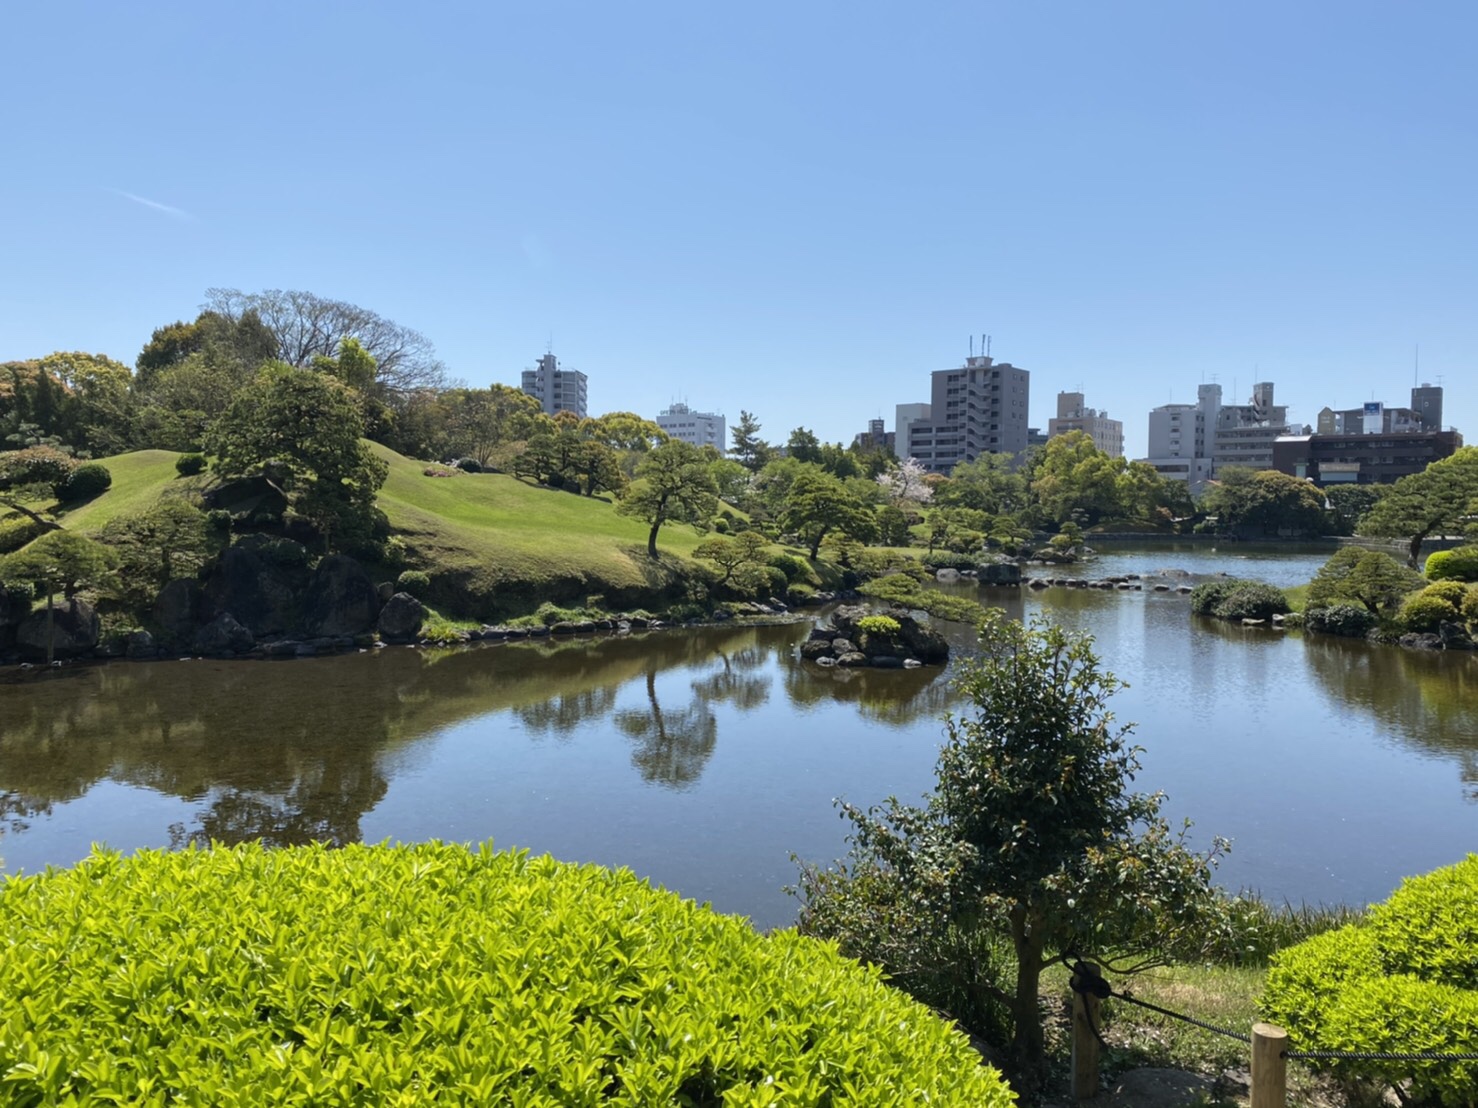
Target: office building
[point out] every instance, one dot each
(1107, 434)
(979, 408)
(556, 389)
(698, 428)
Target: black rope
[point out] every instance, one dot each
(1086, 982)
(1182, 1017)
(1381, 1055)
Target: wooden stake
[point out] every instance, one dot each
(1269, 1067)
(1085, 1042)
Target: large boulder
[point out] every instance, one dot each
(341, 599)
(912, 639)
(401, 618)
(1000, 573)
(258, 593)
(223, 635)
(248, 497)
(181, 607)
(74, 631)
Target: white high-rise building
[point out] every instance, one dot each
(698, 428)
(556, 389)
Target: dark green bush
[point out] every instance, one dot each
(1470, 606)
(16, 532)
(188, 465)
(1235, 599)
(1458, 564)
(415, 582)
(799, 594)
(434, 974)
(943, 560)
(219, 518)
(1405, 980)
(283, 552)
(721, 526)
(795, 569)
(1349, 620)
(86, 481)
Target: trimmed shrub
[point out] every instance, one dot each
(795, 569)
(283, 552)
(86, 481)
(219, 518)
(1234, 599)
(721, 526)
(1404, 980)
(1470, 605)
(188, 465)
(1349, 620)
(468, 465)
(799, 594)
(16, 532)
(1457, 564)
(1450, 591)
(944, 560)
(879, 625)
(431, 973)
(415, 582)
(1424, 612)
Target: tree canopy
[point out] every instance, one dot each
(673, 485)
(1441, 498)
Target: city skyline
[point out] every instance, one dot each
(799, 212)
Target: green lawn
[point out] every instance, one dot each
(139, 480)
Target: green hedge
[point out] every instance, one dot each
(1236, 599)
(1405, 980)
(407, 975)
(1458, 564)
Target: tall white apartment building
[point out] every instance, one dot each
(556, 389)
(698, 428)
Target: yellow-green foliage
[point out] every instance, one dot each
(879, 625)
(1405, 980)
(1437, 603)
(412, 975)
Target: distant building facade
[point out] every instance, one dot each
(1182, 438)
(1361, 459)
(875, 437)
(556, 389)
(698, 428)
(979, 408)
(1107, 434)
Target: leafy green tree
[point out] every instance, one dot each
(731, 478)
(1264, 502)
(673, 485)
(1072, 475)
(598, 465)
(482, 423)
(733, 554)
(1370, 578)
(1441, 498)
(59, 561)
(803, 445)
(624, 431)
(817, 503)
(170, 539)
(1351, 504)
(748, 449)
(96, 408)
(1031, 834)
(309, 426)
(237, 346)
(988, 484)
(28, 476)
(956, 528)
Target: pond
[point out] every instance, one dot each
(703, 758)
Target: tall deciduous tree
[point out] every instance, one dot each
(1441, 498)
(482, 423)
(817, 504)
(308, 425)
(1031, 834)
(1264, 502)
(673, 485)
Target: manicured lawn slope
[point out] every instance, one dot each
(494, 545)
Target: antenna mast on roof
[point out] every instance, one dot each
(987, 346)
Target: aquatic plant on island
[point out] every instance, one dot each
(435, 973)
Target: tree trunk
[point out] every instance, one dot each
(1028, 1048)
(652, 541)
(50, 628)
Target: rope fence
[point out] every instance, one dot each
(1269, 1042)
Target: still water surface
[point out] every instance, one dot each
(703, 759)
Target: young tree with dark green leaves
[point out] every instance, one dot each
(1032, 835)
(309, 426)
(59, 561)
(1370, 578)
(733, 554)
(29, 476)
(168, 540)
(673, 485)
(1441, 498)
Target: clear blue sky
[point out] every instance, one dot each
(796, 208)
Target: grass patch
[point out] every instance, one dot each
(140, 480)
(1298, 596)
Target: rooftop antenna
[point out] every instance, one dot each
(987, 346)
(972, 344)
(1416, 364)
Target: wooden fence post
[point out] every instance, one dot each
(1085, 1042)
(1269, 1067)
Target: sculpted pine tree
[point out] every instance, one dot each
(673, 485)
(1442, 497)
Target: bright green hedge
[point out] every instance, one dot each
(406, 975)
(1403, 980)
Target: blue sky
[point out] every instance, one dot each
(800, 209)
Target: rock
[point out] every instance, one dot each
(111, 646)
(886, 661)
(912, 663)
(947, 576)
(181, 607)
(639, 623)
(401, 618)
(223, 635)
(1162, 587)
(260, 595)
(140, 645)
(818, 633)
(1421, 641)
(282, 648)
(1249, 622)
(1454, 636)
(15, 605)
(840, 646)
(564, 627)
(1000, 573)
(385, 590)
(815, 648)
(852, 659)
(74, 631)
(248, 497)
(341, 598)
(1036, 583)
(826, 661)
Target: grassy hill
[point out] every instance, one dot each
(494, 545)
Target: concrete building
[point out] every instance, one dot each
(979, 408)
(698, 428)
(1182, 438)
(1363, 459)
(1245, 433)
(1374, 418)
(1107, 434)
(556, 390)
(875, 437)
